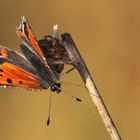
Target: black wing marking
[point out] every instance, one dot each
(44, 72)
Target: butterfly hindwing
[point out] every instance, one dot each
(12, 75)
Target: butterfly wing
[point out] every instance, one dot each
(26, 35)
(17, 59)
(33, 53)
(12, 75)
(33, 65)
(44, 72)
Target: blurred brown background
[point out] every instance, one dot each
(107, 35)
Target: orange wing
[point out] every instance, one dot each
(26, 35)
(12, 75)
(3, 52)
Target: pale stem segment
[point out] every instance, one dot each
(79, 64)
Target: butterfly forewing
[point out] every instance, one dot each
(26, 35)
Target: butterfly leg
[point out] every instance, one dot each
(68, 71)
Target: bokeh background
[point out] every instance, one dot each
(107, 35)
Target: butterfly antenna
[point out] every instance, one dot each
(49, 109)
(59, 89)
(70, 95)
(77, 99)
(78, 85)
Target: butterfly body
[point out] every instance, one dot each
(38, 67)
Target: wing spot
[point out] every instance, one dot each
(1, 75)
(20, 82)
(9, 80)
(1, 70)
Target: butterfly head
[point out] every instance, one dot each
(56, 87)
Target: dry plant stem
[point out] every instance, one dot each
(79, 64)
